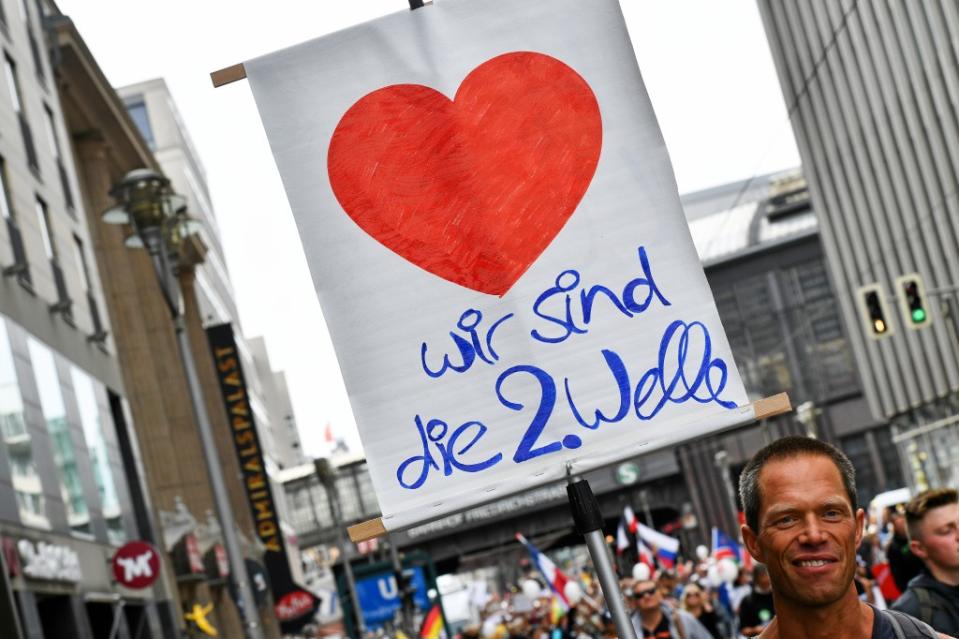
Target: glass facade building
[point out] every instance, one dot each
(62, 466)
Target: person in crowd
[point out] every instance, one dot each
(653, 618)
(757, 609)
(903, 564)
(932, 517)
(738, 591)
(667, 580)
(696, 602)
(799, 498)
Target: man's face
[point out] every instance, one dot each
(808, 532)
(646, 596)
(938, 539)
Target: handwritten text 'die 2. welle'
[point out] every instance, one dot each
(685, 370)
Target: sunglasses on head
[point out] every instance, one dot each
(639, 594)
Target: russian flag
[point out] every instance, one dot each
(631, 522)
(555, 577)
(665, 547)
(724, 547)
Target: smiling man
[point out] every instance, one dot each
(799, 496)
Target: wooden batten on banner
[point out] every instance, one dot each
(238, 71)
(230, 74)
(763, 409)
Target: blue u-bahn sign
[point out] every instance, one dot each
(379, 596)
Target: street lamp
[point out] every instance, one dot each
(161, 225)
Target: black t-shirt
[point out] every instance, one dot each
(756, 609)
(881, 628)
(661, 631)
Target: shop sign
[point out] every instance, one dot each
(10, 557)
(136, 565)
(293, 605)
(256, 482)
(222, 562)
(194, 558)
(54, 562)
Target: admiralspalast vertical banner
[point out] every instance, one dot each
(259, 495)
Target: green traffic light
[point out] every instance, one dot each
(919, 316)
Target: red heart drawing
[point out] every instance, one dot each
(471, 189)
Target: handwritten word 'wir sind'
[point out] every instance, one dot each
(686, 370)
(554, 306)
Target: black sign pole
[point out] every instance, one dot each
(589, 523)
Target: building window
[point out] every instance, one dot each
(98, 334)
(54, 141)
(43, 221)
(13, 86)
(20, 265)
(16, 439)
(138, 112)
(90, 401)
(63, 303)
(34, 47)
(64, 452)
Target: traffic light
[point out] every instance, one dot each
(873, 309)
(913, 301)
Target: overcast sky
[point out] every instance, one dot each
(706, 65)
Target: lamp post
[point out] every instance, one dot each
(161, 225)
(326, 475)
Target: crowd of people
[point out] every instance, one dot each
(677, 602)
(821, 569)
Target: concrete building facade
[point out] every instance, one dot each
(69, 474)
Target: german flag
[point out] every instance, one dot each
(432, 627)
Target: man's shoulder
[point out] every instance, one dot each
(908, 602)
(923, 581)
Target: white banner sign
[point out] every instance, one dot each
(492, 224)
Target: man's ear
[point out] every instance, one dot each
(752, 544)
(918, 549)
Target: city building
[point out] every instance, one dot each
(177, 496)
(70, 483)
(760, 247)
(152, 108)
(872, 90)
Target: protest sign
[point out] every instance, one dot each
(493, 229)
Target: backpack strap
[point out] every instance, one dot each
(894, 622)
(926, 603)
(906, 626)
